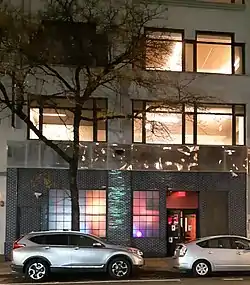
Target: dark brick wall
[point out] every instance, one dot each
(32, 212)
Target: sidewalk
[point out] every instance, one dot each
(151, 264)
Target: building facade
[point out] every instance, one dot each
(171, 176)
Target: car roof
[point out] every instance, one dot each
(216, 236)
(56, 232)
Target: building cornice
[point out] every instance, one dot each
(204, 4)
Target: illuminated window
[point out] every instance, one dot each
(214, 54)
(214, 125)
(57, 123)
(163, 50)
(146, 214)
(210, 124)
(209, 53)
(92, 211)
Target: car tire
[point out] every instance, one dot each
(201, 268)
(119, 268)
(36, 270)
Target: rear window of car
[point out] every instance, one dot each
(51, 239)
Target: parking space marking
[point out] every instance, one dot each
(233, 279)
(101, 282)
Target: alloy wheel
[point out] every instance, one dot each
(202, 269)
(119, 268)
(37, 271)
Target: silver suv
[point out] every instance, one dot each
(38, 254)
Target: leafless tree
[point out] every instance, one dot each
(104, 46)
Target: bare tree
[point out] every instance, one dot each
(103, 45)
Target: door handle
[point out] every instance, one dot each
(77, 247)
(210, 252)
(239, 252)
(47, 247)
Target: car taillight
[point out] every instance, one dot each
(16, 244)
(182, 251)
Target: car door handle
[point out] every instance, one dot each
(210, 252)
(77, 247)
(47, 247)
(239, 252)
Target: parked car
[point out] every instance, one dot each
(215, 253)
(38, 254)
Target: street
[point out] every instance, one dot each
(185, 281)
(149, 278)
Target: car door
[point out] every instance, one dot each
(241, 247)
(55, 248)
(86, 252)
(219, 253)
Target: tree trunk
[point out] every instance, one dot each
(75, 211)
(73, 171)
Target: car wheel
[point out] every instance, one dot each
(37, 270)
(119, 268)
(201, 268)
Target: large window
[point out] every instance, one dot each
(208, 124)
(55, 120)
(209, 53)
(92, 211)
(146, 214)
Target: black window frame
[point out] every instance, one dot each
(152, 236)
(194, 43)
(40, 104)
(194, 113)
(233, 44)
(181, 32)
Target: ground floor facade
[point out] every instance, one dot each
(151, 210)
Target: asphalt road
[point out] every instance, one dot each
(206, 281)
(147, 278)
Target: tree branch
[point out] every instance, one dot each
(31, 126)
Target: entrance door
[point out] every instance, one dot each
(181, 227)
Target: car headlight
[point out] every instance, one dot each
(136, 251)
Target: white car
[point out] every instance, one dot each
(214, 253)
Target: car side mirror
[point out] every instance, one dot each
(97, 244)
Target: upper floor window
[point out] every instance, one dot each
(207, 124)
(54, 118)
(209, 53)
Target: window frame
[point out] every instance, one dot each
(233, 44)
(194, 113)
(165, 30)
(195, 42)
(41, 105)
(139, 215)
(57, 194)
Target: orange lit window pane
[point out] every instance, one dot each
(92, 211)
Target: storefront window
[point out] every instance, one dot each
(146, 214)
(92, 211)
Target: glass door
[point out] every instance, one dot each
(181, 227)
